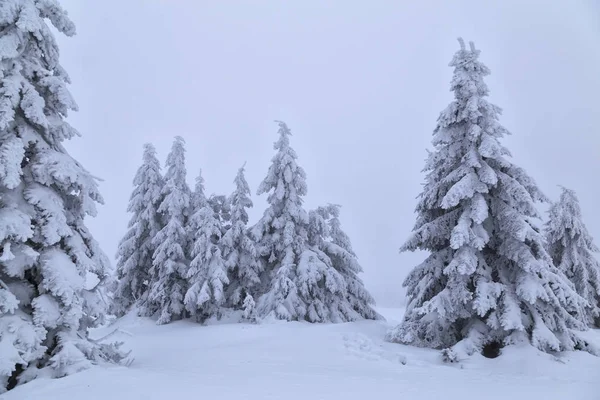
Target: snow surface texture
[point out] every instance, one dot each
(488, 279)
(53, 275)
(299, 361)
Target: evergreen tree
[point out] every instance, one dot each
(335, 249)
(198, 201)
(281, 233)
(572, 248)
(46, 305)
(207, 275)
(488, 279)
(170, 262)
(239, 250)
(298, 280)
(249, 309)
(321, 286)
(134, 255)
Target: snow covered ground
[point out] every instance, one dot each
(294, 361)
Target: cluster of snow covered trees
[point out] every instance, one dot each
(189, 255)
(493, 276)
(53, 276)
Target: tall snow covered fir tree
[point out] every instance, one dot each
(134, 255)
(46, 302)
(239, 250)
(281, 233)
(488, 280)
(572, 248)
(170, 259)
(302, 282)
(207, 274)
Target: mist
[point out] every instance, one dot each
(360, 86)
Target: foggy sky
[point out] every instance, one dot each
(360, 83)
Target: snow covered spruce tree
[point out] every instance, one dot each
(334, 248)
(170, 261)
(281, 233)
(572, 248)
(488, 280)
(134, 255)
(239, 250)
(301, 283)
(207, 275)
(46, 302)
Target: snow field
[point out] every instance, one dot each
(298, 361)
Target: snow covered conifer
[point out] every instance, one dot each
(320, 285)
(572, 247)
(207, 274)
(47, 302)
(134, 255)
(326, 235)
(198, 201)
(281, 233)
(299, 280)
(239, 250)
(170, 262)
(488, 279)
(249, 307)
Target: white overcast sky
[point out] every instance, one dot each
(360, 83)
